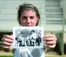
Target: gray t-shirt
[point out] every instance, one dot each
(29, 52)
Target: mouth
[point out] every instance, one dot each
(29, 25)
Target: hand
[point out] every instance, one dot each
(50, 40)
(7, 41)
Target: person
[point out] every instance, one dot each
(38, 39)
(31, 38)
(28, 15)
(20, 39)
(33, 34)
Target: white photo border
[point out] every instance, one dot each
(29, 29)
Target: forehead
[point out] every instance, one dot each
(28, 12)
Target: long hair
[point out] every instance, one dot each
(24, 7)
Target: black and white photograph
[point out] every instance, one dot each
(28, 37)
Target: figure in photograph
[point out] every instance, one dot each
(20, 40)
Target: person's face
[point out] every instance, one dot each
(28, 18)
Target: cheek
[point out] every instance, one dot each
(22, 21)
(35, 21)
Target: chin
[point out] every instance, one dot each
(29, 25)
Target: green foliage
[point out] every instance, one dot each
(6, 56)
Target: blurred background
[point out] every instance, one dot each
(53, 20)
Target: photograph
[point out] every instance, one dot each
(30, 37)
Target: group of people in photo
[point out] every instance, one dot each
(33, 39)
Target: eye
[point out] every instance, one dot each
(24, 17)
(31, 17)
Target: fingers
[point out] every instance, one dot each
(8, 36)
(51, 46)
(7, 41)
(6, 47)
(50, 40)
(50, 37)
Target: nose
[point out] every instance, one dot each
(28, 19)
